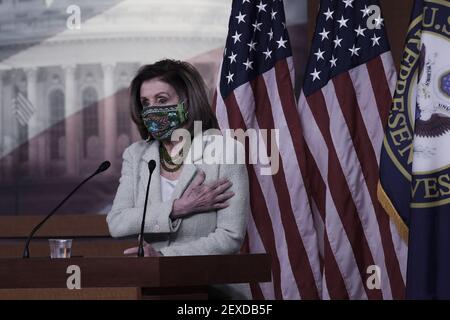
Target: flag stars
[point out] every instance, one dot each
(375, 40)
(365, 11)
(281, 43)
(268, 53)
(328, 14)
(237, 37)
(273, 14)
(248, 64)
(378, 22)
(324, 34)
(354, 51)
(270, 34)
(252, 45)
(232, 57)
(333, 61)
(337, 42)
(230, 77)
(360, 31)
(257, 26)
(244, 1)
(261, 7)
(315, 74)
(319, 54)
(342, 22)
(240, 17)
(348, 3)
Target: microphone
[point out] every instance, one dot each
(151, 167)
(103, 167)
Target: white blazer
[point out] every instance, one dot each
(208, 233)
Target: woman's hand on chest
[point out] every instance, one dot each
(202, 197)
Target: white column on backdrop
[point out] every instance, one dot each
(110, 119)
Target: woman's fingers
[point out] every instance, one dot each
(198, 180)
(218, 182)
(224, 196)
(221, 205)
(133, 250)
(223, 187)
(148, 250)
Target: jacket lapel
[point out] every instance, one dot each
(187, 174)
(189, 169)
(151, 153)
(185, 179)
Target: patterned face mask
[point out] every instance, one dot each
(161, 121)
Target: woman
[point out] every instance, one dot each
(193, 208)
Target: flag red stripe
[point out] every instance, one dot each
(341, 194)
(256, 291)
(260, 212)
(214, 102)
(297, 253)
(316, 183)
(295, 127)
(346, 95)
(311, 176)
(334, 281)
(333, 277)
(254, 287)
(380, 87)
(289, 105)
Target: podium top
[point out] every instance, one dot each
(135, 272)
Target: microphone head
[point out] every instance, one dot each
(151, 165)
(103, 167)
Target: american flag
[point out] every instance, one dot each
(22, 108)
(347, 92)
(255, 91)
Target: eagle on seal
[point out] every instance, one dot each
(428, 123)
(436, 126)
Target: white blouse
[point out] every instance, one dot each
(167, 187)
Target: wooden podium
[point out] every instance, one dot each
(185, 277)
